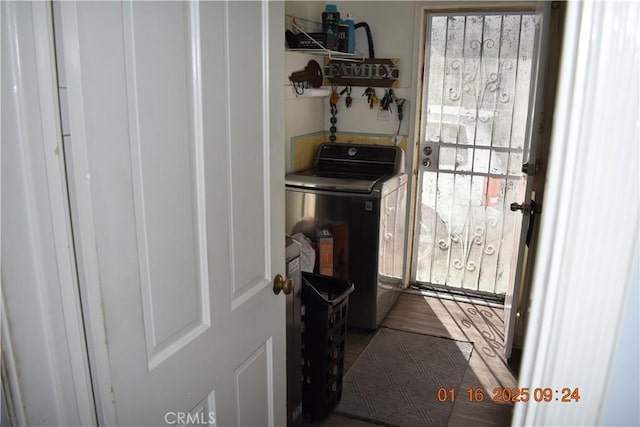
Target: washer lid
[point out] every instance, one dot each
(349, 168)
(310, 179)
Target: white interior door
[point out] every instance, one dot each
(177, 130)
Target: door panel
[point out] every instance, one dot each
(201, 414)
(253, 379)
(247, 126)
(180, 207)
(163, 63)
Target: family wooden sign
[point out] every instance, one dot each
(372, 72)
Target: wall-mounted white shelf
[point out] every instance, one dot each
(332, 54)
(321, 92)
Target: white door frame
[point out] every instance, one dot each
(95, 327)
(42, 326)
(588, 241)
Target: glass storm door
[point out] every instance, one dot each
(474, 139)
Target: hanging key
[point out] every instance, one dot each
(348, 99)
(367, 93)
(334, 98)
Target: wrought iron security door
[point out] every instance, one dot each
(474, 141)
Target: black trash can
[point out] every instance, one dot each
(325, 302)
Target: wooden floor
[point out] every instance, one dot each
(479, 324)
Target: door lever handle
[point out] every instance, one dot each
(530, 209)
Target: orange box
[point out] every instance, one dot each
(325, 252)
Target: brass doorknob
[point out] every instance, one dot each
(282, 284)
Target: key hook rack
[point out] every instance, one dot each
(311, 76)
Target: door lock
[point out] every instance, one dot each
(430, 157)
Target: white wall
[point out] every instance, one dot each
(304, 115)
